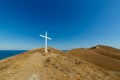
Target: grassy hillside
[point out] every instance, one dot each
(36, 65)
(105, 57)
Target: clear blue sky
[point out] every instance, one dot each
(71, 23)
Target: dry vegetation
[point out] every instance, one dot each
(105, 57)
(35, 65)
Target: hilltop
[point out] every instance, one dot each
(103, 56)
(35, 65)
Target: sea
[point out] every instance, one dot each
(8, 53)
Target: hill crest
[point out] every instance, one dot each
(35, 65)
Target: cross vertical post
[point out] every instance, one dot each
(46, 43)
(46, 38)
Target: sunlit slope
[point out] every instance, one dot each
(103, 61)
(105, 57)
(36, 65)
(108, 51)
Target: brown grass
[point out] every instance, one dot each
(35, 65)
(105, 57)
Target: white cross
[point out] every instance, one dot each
(46, 38)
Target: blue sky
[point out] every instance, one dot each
(71, 23)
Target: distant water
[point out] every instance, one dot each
(8, 53)
(65, 50)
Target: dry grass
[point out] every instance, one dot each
(35, 65)
(108, 51)
(105, 57)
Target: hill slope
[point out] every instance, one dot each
(107, 50)
(103, 56)
(35, 65)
